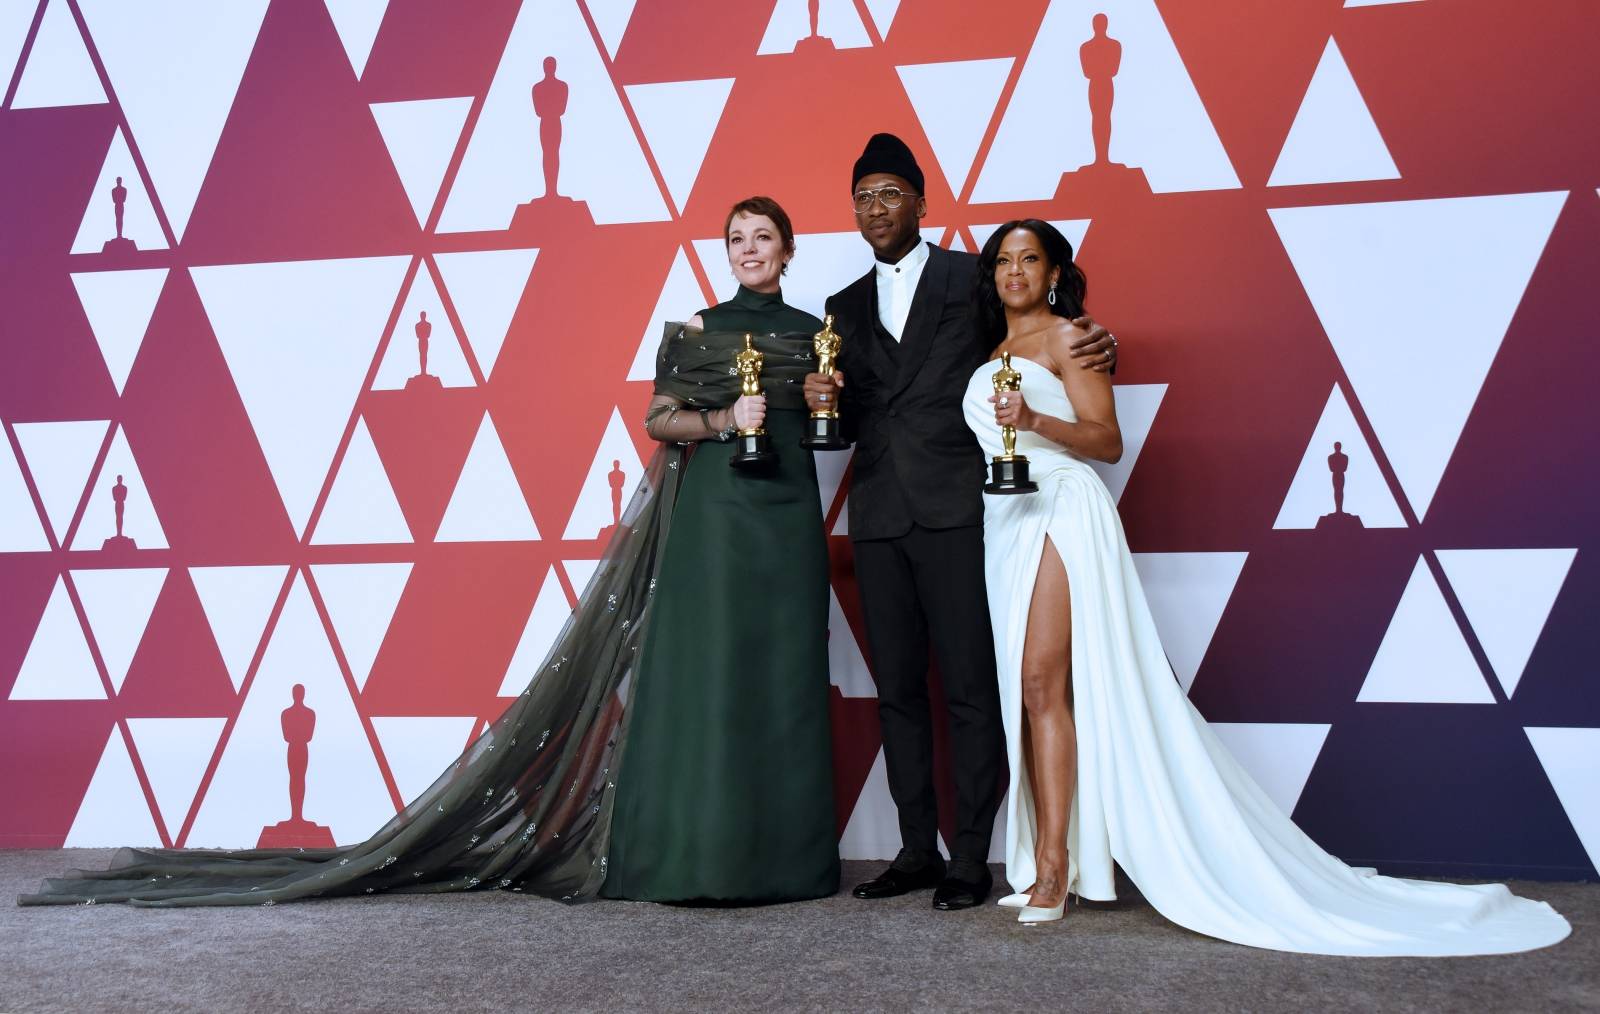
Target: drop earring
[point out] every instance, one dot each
(1051, 298)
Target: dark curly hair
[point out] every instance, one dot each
(989, 314)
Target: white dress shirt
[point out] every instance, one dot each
(897, 284)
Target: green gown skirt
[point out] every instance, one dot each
(725, 790)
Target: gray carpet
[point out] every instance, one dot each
(496, 951)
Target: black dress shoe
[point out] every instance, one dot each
(967, 886)
(902, 877)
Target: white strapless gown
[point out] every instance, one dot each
(1157, 791)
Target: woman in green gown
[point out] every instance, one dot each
(685, 702)
(726, 787)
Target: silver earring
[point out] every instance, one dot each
(1051, 299)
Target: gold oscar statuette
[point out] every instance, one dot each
(822, 429)
(1008, 472)
(754, 450)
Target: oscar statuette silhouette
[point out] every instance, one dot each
(423, 381)
(552, 210)
(299, 724)
(1100, 59)
(1339, 520)
(119, 204)
(119, 503)
(815, 43)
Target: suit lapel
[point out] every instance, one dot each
(927, 305)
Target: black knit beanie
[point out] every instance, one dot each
(886, 153)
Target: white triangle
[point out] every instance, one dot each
(611, 20)
(873, 830)
(550, 613)
(20, 528)
(344, 788)
(1333, 139)
(361, 508)
(487, 505)
(678, 119)
(357, 22)
(15, 21)
(957, 244)
(1442, 279)
(175, 84)
(831, 466)
(486, 286)
(118, 604)
(361, 600)
(60, 456)
(1366, 492)
(1074, 229)
(579, 574)
(1568, 758)
(680, 297)
(114, 812)
(1278, 756)
(1376, 3)
(1159, 123)
(58, 666)
(238, 602)
(601, 163)
(1188, 593)
(59, 71)
(402, 359)
(954, 103)
(175, 753)
(594, 509)
(139, 222)
(847, 668)
(1137, 405)
(824, 263)
(1507, 595)
(837, 21)
(1423, 658)
(299, 337)
(883, 12)
(119, 305)
(421, 138)
(420, 748)
(139, 521)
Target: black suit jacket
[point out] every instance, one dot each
(915, 459)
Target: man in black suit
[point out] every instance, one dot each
(916, 519)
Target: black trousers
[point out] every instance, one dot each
(926, 587)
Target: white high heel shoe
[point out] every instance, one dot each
(1033, 914)
(1014, 901)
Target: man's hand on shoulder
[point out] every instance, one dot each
(1095, 349)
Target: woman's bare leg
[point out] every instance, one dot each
(1051, 738)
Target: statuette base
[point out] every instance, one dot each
(823, 434)
(753, 451)
(1009, 475)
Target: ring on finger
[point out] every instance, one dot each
(1004, 402)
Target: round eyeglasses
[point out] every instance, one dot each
(890, 197)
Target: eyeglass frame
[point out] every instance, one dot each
(879, 195)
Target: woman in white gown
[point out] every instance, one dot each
(1110, 763)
